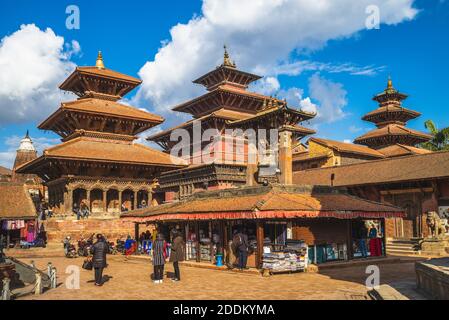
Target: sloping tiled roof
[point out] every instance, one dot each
(399, 150)
(15, 202)
(391, 108)
(87, 149)
(348, 147)
(220, 114)
(266, 202)
(5, 171)
(392, 170)
(103, 107)
(108, 73)
(394, 129)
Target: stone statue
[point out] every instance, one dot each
(437, 228)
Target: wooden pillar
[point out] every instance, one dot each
(88, 191)
(68, 201)
(105, 201)
(135, 200)
(136, 231)
(197, 233)
(150, 198)
(349, 239)
(120, 200)
(224, 230)
(259, 237)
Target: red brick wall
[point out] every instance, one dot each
(113, 229)
(320, 231)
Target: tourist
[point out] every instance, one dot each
(242, 248)
(84, 210)
(77, 211)
(177, 253)
(130, 246)
(66, 243)
(99, 251)
(159, 256)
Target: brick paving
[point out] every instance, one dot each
(130, 279)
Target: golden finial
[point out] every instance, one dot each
(100, 64)
(227, 59)
(390, 83)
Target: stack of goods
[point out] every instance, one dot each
(191, 250)
(293, 258)
(205, 252)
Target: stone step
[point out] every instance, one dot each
(402, 248)
(404, 252)
(402, 242)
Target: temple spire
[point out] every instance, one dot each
(390, 83)
(227, 59)
(390, 88)
(100, 64)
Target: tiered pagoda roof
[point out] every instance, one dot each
(391, 118)
(96, 128)
(228, 103)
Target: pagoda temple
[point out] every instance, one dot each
(229, 105)
(390, 118)
(98, 163)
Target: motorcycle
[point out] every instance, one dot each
(71, 251)
(69, 248)
(120, 247)
(112, 248)
(84, 246)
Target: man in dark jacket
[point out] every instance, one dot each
(177, 253)
(99, 251)
(241, 244)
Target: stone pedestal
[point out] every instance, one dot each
(435, 246)
(432, 278)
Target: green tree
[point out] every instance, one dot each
(440, 140)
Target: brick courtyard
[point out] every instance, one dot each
(130, 279)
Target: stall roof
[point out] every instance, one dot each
(393, 170)
(15, 202)
(266, 202)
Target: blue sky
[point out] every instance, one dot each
(342, 64)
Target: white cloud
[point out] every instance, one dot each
(33, 62)
(262, 35)
(331, 97)
(267, 86)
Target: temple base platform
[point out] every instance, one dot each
(432, 277)
(435, 246)
(111, 227)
